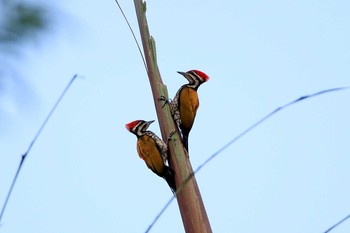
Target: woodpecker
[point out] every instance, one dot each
(185, 103)
(152, 150)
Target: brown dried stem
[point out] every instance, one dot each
(190, 202)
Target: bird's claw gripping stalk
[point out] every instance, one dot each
(171, 134)
(163, 98)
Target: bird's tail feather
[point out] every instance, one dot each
(169, 177)
(185, 140)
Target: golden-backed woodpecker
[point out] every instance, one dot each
(185, 103)
(152, 150)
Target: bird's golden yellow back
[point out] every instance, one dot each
(149, 152)
(188, 106)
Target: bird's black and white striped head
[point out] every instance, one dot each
(138, 127)
(195, 78)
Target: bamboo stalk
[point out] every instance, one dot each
(194, 216)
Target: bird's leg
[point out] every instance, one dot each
(171, 134)
(163, 98)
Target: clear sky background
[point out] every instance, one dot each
(291, 174)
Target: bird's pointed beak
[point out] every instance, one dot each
(182, 73)
(149, 122)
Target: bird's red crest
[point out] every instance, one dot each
(131, 125)
(201, 74)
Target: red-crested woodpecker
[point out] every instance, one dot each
(152, 150)
(185, 103)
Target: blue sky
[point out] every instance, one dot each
(84, 175)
